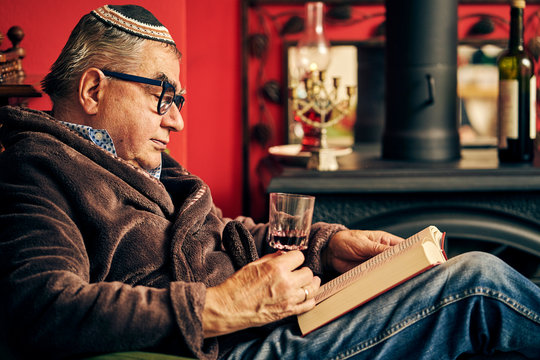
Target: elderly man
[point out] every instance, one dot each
(108, 245)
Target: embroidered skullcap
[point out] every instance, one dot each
(135, 20)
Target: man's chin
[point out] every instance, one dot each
(152, 166)
(147, 165)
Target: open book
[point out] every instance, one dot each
(373, 277)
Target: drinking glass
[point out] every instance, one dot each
(290, 221)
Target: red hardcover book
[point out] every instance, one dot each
(368, 280)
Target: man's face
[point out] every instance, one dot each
(128, 110)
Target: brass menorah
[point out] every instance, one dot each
(330, 110)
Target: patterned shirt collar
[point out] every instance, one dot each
(101, 138)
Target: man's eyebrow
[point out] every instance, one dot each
(162, 77)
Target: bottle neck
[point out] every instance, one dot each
(516, 29)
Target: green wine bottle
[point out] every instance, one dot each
(517, 94)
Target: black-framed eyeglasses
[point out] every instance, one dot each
(168, 92)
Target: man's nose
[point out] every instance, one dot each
(173, 119)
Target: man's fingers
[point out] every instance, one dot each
(389, 238)
(379, 248)
(289, 259)
(308, 291)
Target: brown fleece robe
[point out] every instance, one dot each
(98, 256)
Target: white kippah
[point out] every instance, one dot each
(135, 20)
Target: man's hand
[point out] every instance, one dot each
(350, 248)
(263, 291)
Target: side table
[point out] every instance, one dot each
(18, 92)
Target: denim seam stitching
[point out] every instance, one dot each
(412, 319)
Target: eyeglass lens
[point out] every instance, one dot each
(167, 99)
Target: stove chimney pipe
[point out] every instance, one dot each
(421, 81)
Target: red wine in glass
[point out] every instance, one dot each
(288, 240)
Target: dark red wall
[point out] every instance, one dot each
(214, 145)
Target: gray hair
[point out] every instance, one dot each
(93, 44)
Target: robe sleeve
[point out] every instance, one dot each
(320, 234)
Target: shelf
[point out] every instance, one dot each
(364, 171)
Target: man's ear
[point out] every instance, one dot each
(91, 85)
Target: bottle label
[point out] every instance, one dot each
(508, 111)
(532, 126)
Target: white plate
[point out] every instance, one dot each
(291, 153)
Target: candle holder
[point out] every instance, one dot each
(318, 109)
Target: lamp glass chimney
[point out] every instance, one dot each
(313, 50)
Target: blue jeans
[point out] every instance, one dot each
(473, 304)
